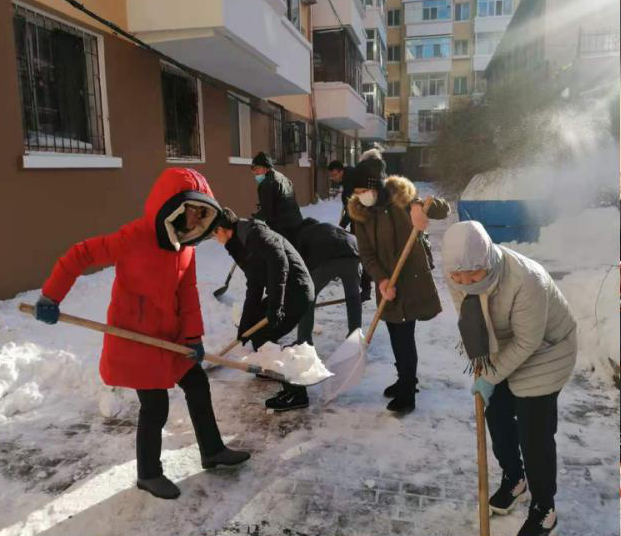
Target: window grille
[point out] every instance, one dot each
(58, 73)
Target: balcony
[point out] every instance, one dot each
(338, 106)
(480, 61)
(375, 129)
(416, 26)
(249, 44)
(491, 24)
(374, 19)
(350, 13)
(374, 73)
(440, 65)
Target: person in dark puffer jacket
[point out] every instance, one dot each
(330, 253)
(272, 265)
(277, 204)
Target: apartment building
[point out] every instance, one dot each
(443, 48)
(90, 118)
(572, 42)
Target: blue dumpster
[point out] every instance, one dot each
(512, 204)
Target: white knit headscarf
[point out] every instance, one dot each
(466, 246)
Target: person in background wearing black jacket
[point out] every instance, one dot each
(271, 264)
(330, 253)
(277, 204)
(344, 175)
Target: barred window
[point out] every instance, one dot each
(58, 73)
(181, 114)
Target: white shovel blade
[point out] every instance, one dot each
(348, 364)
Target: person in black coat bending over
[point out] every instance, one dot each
(271, 264)
(277, 204)
(344, 175)
(330, 253)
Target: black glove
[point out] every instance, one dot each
(46, 310)
(275, 318)
(199, 352)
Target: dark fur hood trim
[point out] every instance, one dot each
(402, 192)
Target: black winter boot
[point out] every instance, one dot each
(224, 457)
(393, 390)
(159, 487)
(508, 495)
(540, 522)
(403, 403)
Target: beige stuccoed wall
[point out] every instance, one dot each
(113, 10)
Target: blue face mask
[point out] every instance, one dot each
(259, 178)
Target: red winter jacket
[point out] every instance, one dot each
(154, 291)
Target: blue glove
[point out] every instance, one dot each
(46, 310)
(199, 352)
(483, 387)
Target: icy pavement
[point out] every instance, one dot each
(350, 469)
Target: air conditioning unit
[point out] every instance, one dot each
(294, 134)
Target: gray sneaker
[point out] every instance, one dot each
(159, 487)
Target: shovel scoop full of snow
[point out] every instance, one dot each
(297, 364)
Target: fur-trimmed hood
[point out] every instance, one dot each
(401, 191)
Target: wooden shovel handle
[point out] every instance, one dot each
(247, 333)
(146, 339)
(482, 463)
(396, 272)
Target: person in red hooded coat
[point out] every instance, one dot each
(154, 293)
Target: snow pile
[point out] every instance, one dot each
(581, 252)
(300, 363)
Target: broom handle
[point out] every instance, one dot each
(395, 274)
(144, 339)
(482, 462)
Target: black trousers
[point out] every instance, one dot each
(406, 357)
(348, 270)
(526, 424)
(154, 413)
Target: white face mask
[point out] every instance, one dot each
(368, 198)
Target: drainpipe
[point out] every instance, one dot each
(315, 138)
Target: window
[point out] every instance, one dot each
(371, 45)
(394, 88)
(394, 17)
(293, 13)
(374, 97)
(393, 122)
(394, 53)
(462, 11)
(425, 156)
(461, 48)
(460, 85)
(480, 83)
(368, 92)
(429, 120)
(182, 103)
(436, 9)
(486, 42)
(368, 3)
(239, 114)
(277, 124)
(336, 58)
(428, 85)
(428, 48)
(58, 73)
(494, 8)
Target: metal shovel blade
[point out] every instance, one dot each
(348, 363)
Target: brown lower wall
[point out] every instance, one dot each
(43, 212)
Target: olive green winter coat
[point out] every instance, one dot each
(382, 232)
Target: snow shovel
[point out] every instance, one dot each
(257, 327)
(349, 360)
(220, 291)
(152, 341)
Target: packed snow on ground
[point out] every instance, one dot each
(67, 442)
(300, 363)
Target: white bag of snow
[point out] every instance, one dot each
(299, 363)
